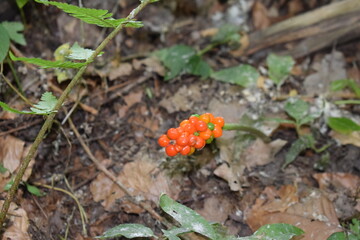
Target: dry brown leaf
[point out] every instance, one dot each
(152, 65)
(260, 16)
(338, 181)
(141, 177)
(216, 209)
(18, 229)
(11, 151)
(226, 173)
(313, 212)
(352, 138)
(130, 100)
(123, 70)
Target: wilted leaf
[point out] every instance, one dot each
(243, 75)
(279, 67)
(128, 230)
(343, 125)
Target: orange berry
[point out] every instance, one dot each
(170, 150)
(192, 140)
(217, 132)
(163, 140)
(188, 127)
(211, 117)
(186, 150)
(204, 117)
(206, 134)
(201, 126)
(173, 133)
(200, 143)
(178, 148)
(193, 120)
(219, 121)
(192, 150)
(182, 140)
(184, 122)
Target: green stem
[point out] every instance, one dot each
(50, 118)
(248, 129)
(207, 48)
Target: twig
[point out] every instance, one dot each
(21, 127)
(15, 90)
(49, 120)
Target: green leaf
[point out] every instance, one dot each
(243, 75)
(227, 33)
(99, 17)
(4, 43)
(343, 83)
(8, 185)
(133, 24)
(278, 231)
(48, 64)
(129, 231)
(343, 236)
(188, 218)
(304, 142)
(279, 67)
(343, 125)
(34, 190)
(297, 108)
(3, 169)
(341, 102)
(175, 59)
(6, 107)
(46, 104)
(197, 66)
(78, 53)
(172, 234)
(21, 3)
(13, 29)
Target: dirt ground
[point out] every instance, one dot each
(123, 105)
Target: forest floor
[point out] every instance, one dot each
(123, 105)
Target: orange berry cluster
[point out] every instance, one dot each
(193, 133)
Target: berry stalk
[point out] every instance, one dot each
(251, 130)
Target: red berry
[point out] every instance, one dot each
(173, 133)
(200, 143)
(219, 121)
(192, 140)
(206, 134)
(163, 140)
(182, 140)
(193, 120)
(188, 127)
(217, 132)
(201, 126)
(186, 150)
(170, 150)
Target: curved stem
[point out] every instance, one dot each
(49, 120)
(248, 129)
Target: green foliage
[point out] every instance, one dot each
(190, 221)
(78, 53)
(197, 66)
(227, 33)
(34, 190)
(21, 3)
(2, 169)
(343, 125)
(4, 43)
(99, 17)
(299, 110)
(345, 83)
(46, 104)
(6, 107)
(243, 75)
(14, 30)
(279, 67)
(353, 234)
(128, 231)
(302, 143)
(48, 64)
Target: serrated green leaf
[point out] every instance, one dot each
(21, 3)
(278, 231)
(133, 24)
(243, 75)
(34, 190)
(14, 29)
(227, 33)
(6, 107)
(297, 108)
(48, 64)
(343, 125)
(172, 234)
(279, 67)
(302, 143)
(197, 66)
(4, 43)
(46, 104)
(99, 17)
(175, 59)
(3, 169)
(79, 53)
(129, 231)
(188, 218)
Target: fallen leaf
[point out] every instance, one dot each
(351, 138)
(130, 100)
(11, 151)
(141, 177)
(119, 71)
(151, 64)
(216, 209)
(260, 16)
(339, 181)
(312, 212)
(225, 172)
(19, 224)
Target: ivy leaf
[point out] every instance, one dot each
(14, 29)
(279, 67)
(343, 125)
(4, 43)
(34, 190)
(188, 218)
(48, 64)
(46, 104)
(243, 75)
(129, 231)
(99, 17)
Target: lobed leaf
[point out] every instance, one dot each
(243, 75)
(46, 104)
(343, 125)
(279, 67)
(4, 43)
(99, 17)
(48, 64)
(129, 231)
(14, 29)
(188, 218)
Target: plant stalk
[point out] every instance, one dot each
(248, 129)
(50, 118)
